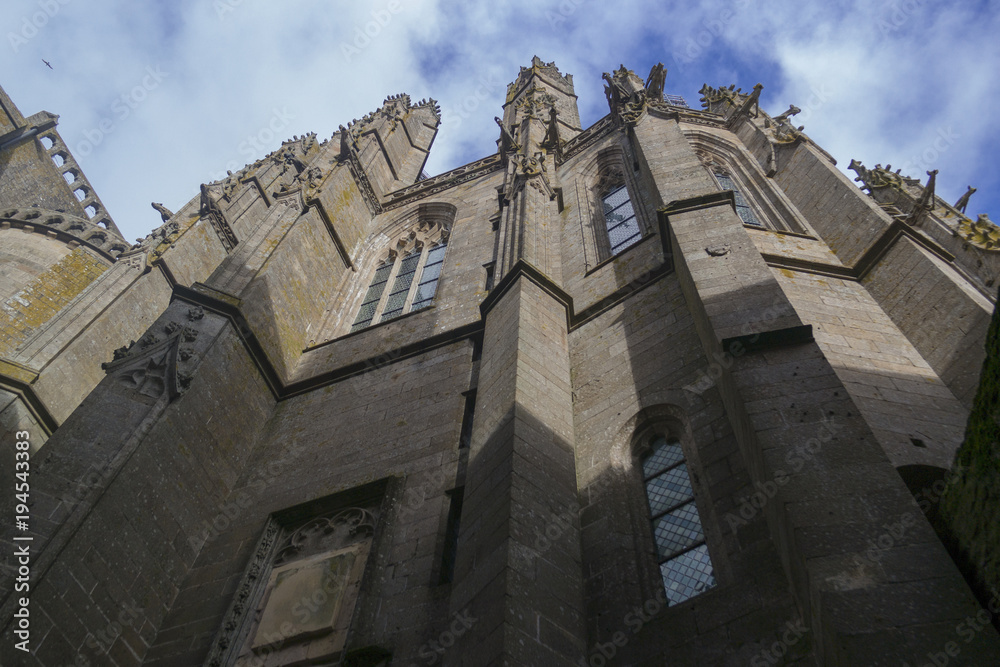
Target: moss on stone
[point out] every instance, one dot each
(971, 504)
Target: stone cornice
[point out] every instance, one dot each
(443, 181)
(69, 229)
(17, 379)
(574, 319)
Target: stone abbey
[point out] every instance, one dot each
(666, 390)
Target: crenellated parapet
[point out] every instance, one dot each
(387, 148)
(974, 242)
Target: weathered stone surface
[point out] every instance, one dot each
(195, 399)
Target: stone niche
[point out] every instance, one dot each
(304, 612)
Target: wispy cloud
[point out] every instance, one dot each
(245, 74)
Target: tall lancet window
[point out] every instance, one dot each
(742, 207)
(681, 551)
(407, 279)
(619, 217)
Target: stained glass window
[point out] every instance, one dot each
(682, 554)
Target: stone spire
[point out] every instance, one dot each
(540, 115)
(538, 88)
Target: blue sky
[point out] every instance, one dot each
(190, 89)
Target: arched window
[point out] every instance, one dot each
(742, 207)
(619, 218)
(407, 278)
(681, 551)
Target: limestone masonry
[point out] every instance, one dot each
(665, 390)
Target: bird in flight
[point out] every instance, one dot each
(47, 63)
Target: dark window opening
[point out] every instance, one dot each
(451, 535)
(470, 409)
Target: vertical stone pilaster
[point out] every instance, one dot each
(518, 569)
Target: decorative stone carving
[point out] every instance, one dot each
(444, 181)
(507, 142)
(963, 201)
(324, 534)
(230, 185)
(710, 95)
(880, 177)
(718, 250)
(165, 213)
(981, 233)
(426, 232)
(150, 366)
(223, 648)
(925, 204)
(211, 210)
(785, 115)
(535, 101)
(654, 82)
(626, 94)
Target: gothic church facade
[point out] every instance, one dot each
(661, 390)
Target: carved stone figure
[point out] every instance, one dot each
(963, 201)
(165, 213)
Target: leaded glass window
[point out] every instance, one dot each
(681, 552)
(619, 216)
(406, 293)
(429, 278)
(742, 207)
(372, 297)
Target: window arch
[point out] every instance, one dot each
(618, 219)
(760, 203)
(681, 551)
(407, 278)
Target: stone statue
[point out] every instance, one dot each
(963, 201)
(654, 82)
(782, 117)
(165, 213)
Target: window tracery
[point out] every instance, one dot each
(395, 288)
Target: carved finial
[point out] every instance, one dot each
(926, 202)
(507, 143)
(654, 82)
(963, 201)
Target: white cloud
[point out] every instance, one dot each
(242, 75)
